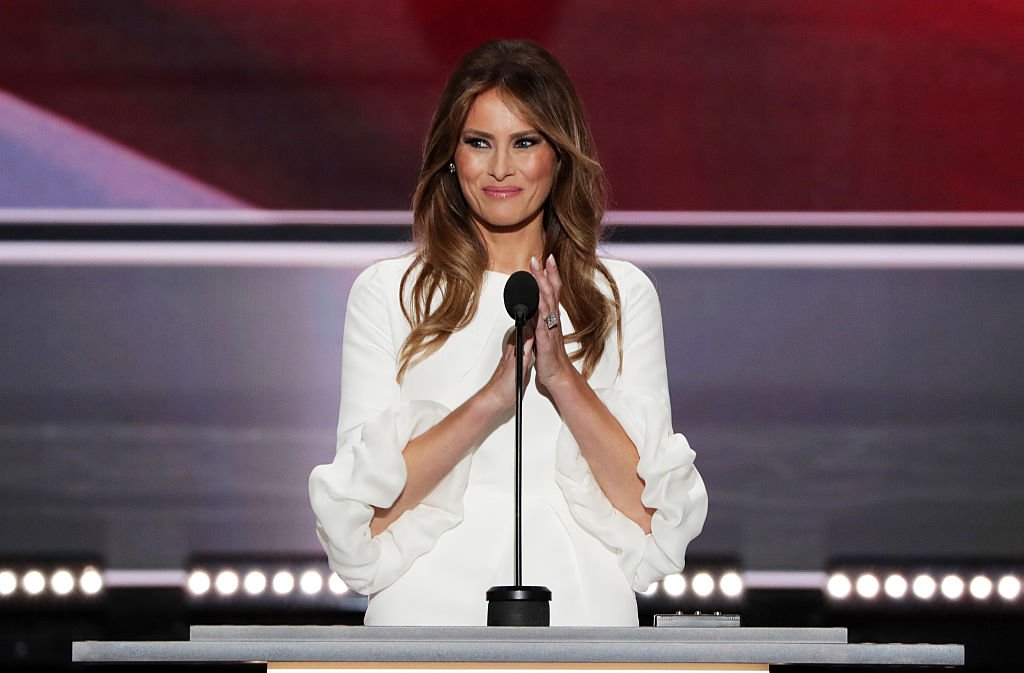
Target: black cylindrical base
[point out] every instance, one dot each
(518, 606)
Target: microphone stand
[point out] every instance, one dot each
(520, 326)
(519, 605)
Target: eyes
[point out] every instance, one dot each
(523, 142)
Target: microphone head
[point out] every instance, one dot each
(521, 295)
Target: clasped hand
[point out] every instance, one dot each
(543, 348)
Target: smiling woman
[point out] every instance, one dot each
(505, 167)
(415, 510)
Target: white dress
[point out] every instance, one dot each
(434, 564)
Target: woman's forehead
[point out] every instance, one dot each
(500, 110)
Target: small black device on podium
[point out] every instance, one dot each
(519, 605)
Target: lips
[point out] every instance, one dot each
(502, 192)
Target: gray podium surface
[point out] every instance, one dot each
(515, 634)
(230, 644)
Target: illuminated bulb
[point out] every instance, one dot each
(895, 586)
(923, 587)
(952, 587)
(336, 585)
(199, 583)
(674, 585)
(283, 582)
(731, 584)
(8, 583)
(226, 582)
(868, 586)
(90, 581)
(62, 582)
(1008, 587)
(254, 583)
(703, 584)
(33, 582)
(311, 582)
(839, 586)
(981, 587)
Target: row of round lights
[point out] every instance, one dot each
(703, 584)
(924, 586)
(60, 582)
(256, 583)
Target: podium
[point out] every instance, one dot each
(362, 649)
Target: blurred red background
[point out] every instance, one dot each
(718, 105)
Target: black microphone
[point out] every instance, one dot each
(519, 605)
(521, 295)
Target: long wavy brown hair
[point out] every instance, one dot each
(440, 291)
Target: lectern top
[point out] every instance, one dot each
(568, 634)
(518, 647)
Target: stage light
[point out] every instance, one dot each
(33, 582)
(674, 585)
(336, 585)
(980, 587)
(731, 584)
(311, 582)
(952, 587)
(703, 584)
(895, 586)
(965, 585)
(8, 583)
(62, 582)
(226, 582)
(1008, 587)
(90, 581)
(254, 583)
(199, 582)
(839, 586)
(868, 586)
(283, 582)
(43, 581)
(924, 587)
(271, 583)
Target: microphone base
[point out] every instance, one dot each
(518, 606)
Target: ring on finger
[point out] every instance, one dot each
(551, 320)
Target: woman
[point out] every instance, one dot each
(416, 509)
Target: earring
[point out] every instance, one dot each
(451, 166)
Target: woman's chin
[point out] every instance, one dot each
(498, 222)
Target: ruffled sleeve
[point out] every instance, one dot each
(368, 471)
(639, 400)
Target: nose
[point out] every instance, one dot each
(501, 164)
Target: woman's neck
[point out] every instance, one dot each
(510, 250)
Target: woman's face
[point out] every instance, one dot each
(504, 165)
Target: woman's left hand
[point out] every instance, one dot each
(552, 364)
(605, 446)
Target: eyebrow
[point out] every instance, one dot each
(484, 134)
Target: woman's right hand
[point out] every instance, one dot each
(501, 388)
(432, 455)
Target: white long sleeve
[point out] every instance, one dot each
(639, 400)
(368, 471)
